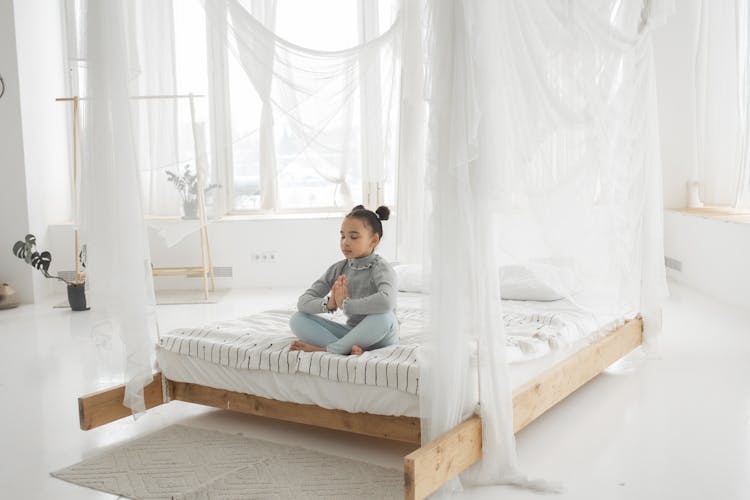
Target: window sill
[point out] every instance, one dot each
(726, 214)
(236, 218)
(283, 216)
(253, 217)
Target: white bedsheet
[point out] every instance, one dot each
(251, 355)
(297, 388)
(540, 329)
(261, 343)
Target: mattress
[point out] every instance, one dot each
(251, 355)
(297, 388)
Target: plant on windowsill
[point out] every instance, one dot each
(187, 185)
(26, 250)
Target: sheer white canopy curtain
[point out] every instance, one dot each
(336, 111)
(722, 82)
(542, 152)
(329, 115)
(528, 138)
(112, 223)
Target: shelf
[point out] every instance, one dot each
(189, 271)
(728, 214)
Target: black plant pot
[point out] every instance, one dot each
(77, 296)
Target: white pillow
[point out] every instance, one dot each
(540, 282)
(411, 278)
(537, 282)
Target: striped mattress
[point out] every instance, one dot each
(261, 342)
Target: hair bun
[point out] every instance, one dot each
(383, 212)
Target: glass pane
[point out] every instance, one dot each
(191, 75)
(319, 25)
(310, 167)
(308, 175)
(317, 141)
(245, 120)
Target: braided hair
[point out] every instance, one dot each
(371, 219)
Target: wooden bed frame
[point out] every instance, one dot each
(429, 466)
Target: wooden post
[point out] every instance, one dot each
(210, 261)
(75, 187)
(76, 242)
(440, 460)
(547, 389)
(105, 406)
(405, 429)
(205, 249)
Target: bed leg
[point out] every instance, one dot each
(431, 466)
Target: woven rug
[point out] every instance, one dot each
(188, 463)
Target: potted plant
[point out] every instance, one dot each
(26, 250)
(187, 185)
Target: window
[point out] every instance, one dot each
(318, 171)
(325, 25)
(327, 150)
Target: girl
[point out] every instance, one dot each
(363, 286)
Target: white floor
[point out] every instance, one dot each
(676, 425)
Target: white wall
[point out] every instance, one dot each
(675, 47)
(41, 74)
(35, 188)
(13, 203)
(304, 246)
(715, 255)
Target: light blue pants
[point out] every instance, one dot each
(373, 332)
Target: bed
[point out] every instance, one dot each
(244, 365)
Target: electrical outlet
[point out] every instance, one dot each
(268, 257)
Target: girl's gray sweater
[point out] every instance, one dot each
(372, 288)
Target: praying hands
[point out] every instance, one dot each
(339, 293)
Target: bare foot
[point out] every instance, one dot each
(296, 345)
(356, 350)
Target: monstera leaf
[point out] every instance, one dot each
(38, 260)
(25, 249)
(41, 261)
(19, 250)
